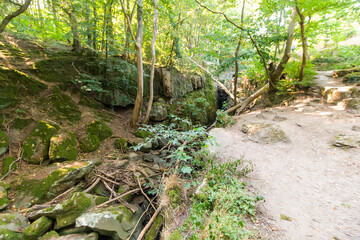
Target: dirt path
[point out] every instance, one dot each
(307, 179)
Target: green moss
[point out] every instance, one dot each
(21, 123)
(49, 235)
(7, 162)
(61, 106)
(63, 147)
(121, 144)
(89, 144)
(9, 235)
(4, 201)
(89, 102)
(37, 228)
(99, 129)
(175, 235)
(143, 134)
(124, 188)
(36, 145)
(175, 196)
(155, 228)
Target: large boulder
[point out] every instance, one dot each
(63, 147)
(36, 145)
(99, 129)
(89, 143)
(158, 112)
(264, 132)
(13, 222)
(116, 222)
(4, 142)
(59, 178)
(65, 213)
(37, 228)
(115, 97)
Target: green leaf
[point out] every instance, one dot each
(186, 170)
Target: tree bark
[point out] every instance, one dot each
(275, 76)
(74, 28)
(153, 60)
(303, 42)
(95, 25)
(12, 15)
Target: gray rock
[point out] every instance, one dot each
(13, 222)
(264, 133)
(146, 147)
(158, 112)
(115, 97)
(80, 236)
(347, 141)
(356, 128)
(116, 222)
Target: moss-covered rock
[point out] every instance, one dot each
(37, 228)
(121, 144)
(63, 147)
(7, 162)
(13, 222)
(158, 112)
(73, 230)
(67, 212)
(143, 134)
(4, 201)
(89, 143)
(155, 228)
(99, 129)
(116, 222)
(66, 175)
(49, 235)
(61, 107)
(4, 142)
(10, 235)
(21, 123)
(346, 141)
(125, 188)
(264, 133)
(15, 84)
(36, 145)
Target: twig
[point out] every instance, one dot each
(146, 196)
(107, 175)
(137, 223)
(10, 166)
(148, 225)
(92, 185)
(109, 180)
(127, 205)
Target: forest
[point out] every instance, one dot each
(191, 119)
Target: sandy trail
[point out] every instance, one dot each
(307, 179)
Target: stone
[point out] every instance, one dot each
(125, 188)
(143, 134)
(13, 222)
(356, 128)
(116, 222)
(50, 235)
(4, 201)
(9, 161)
(121, 144)
(115, 97)
(4, 142)
(347, 141)
(146, 147)
(133, 156)
(65, 213)
(80, 236)
(37, 228)
(10, 235)
(351, 103)
(73, 230)
(155, 228)
(264, 133)
(60, 178)
(99, 129)
(36, 145)
(158, 112)
(89, 143)
(63, 147)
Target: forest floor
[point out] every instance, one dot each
(311, 188)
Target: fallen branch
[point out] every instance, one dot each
(92, 185)
(148, 225)
(127, 205)
(108, 180)
(214, 79)
(241, 106)
(146, 196)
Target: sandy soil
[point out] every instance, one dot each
(307, 179)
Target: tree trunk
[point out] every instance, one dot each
(95, 25)
(12, 15)
(153, 60)
(74, 29)
(303, 42)
(88, 23)
(275, 76)
(140, 82)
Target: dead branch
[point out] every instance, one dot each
(92, 185)
(148, 225)
(145, 195)
(108, 180)
(241, 106)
